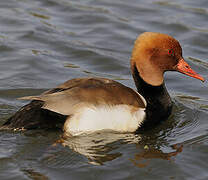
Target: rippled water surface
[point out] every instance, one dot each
(46, 42)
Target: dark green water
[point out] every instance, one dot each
(46, 42)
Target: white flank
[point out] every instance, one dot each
(121, 118)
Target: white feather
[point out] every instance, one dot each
(121, 118)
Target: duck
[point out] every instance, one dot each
(90, 104)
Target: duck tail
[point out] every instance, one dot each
(33, 116)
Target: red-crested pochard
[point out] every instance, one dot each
(86, 105)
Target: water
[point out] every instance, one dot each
(46, 42)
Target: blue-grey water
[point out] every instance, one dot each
(46, 42)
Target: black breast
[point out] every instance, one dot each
(159, 104)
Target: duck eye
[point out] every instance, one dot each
(171, 52)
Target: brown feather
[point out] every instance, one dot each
(94, 91)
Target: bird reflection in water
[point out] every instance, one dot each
(101, 147)
(143, 158)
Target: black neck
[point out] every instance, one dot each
(159, 103)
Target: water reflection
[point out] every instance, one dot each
(99, 147)
(143, 158)
(102, 147)
(31, 174)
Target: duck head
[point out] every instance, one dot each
(155, 53)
